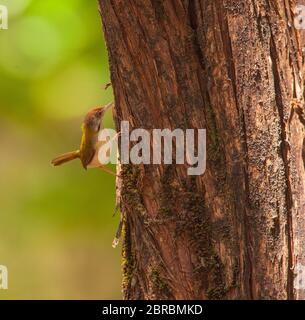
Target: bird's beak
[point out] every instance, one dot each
(108, 106)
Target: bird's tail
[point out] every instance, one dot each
(66, 157)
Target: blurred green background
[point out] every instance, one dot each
(56, 225)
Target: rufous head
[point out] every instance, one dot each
(94, 117)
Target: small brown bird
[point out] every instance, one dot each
(88, 152)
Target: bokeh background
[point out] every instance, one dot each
(56, 224)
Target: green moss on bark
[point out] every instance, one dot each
(160, 287)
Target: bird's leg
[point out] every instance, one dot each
(104, 168)
(113, 139)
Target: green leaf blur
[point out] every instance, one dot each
(56, 224)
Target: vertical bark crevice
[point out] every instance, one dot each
(227, 41)
(284, 147)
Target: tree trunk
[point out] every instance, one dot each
(235, 68)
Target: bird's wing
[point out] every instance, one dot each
(87, 150)
(87, 155)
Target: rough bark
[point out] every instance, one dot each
(235, 68)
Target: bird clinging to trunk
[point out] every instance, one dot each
(89, 147)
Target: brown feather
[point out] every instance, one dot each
(66, 157)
